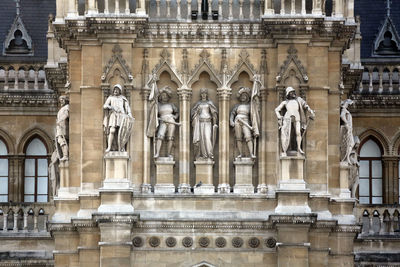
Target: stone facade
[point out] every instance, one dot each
(129, 208)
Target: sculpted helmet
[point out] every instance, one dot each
(289, 89)
(243, 90)
(119, 87)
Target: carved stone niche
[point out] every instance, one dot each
(116, 71)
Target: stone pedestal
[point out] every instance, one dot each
(116, 192)
(292, 171)
(243, 176)
(164, 176)
(204, 176)
(292, 192)
(344, 180)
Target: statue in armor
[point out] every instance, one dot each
(62, 129)
(245, 118)
(204, 116)
(291, 114)
(118, 120)
(162, 119)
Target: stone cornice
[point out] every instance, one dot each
(39, 100)
(367, 102)
(203, 225)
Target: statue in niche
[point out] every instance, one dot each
(291, 113)
(118, 120)
(204, 117)
(162, 119)
(62, 129)
(54, 172)
(354, 177)
(245, 118)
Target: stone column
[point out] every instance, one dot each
(224, 97)
(317, 7)
(390, 179)
(268, 10)
(59, 11)
(146, 186)
(72, 9)
(141, 10)
(262, 147)
(338, 8)
(92, 9)
(185, 95)
(344, 180)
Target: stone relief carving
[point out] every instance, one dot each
(204, 116)
(118, 120)
(292, 57)
(162, 119)
(116, 57)
(291, 115)
(245, 118)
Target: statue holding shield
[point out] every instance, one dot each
(118, 120)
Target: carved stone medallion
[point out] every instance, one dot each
(137, 241)
(170, 242)
(220, 242)
(254, 242)
(187, 242)
(204, 242)
(154, 241)
(270, 242)
(237, 242)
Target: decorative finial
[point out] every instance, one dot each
(17, 6)
(388, 3)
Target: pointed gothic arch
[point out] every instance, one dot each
(244, 65)
(203, 264)
(378, 137)
(117, 64)
(204, 65)
(8, 141)
(292, 63)
(32, 133)
(165, 66)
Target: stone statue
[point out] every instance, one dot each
(54, 172)
(354, 177)
(62, 129)
(204, 117)
(294, 116)
(245, 118)
(162, 119)
(346, 132)
(118, 120)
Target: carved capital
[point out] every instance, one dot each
(184, 94)
(224, 94)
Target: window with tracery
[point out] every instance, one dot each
(36, 172)
(3, 172)
(371, 173)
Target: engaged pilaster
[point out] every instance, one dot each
(185, 95)
(224, 95)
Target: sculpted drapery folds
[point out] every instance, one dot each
(245, 118)
(162, 119)
(118, 120)
(294, 116)
(62, 129)
(204, 117)
(346, 132)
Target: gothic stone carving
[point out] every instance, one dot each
(204, 116)
(187, 242)
(118, 120)
(294, 116)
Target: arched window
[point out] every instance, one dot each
(370, 189)
(36, 177)
(3, 172)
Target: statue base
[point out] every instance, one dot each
(344, 180)
(292, 172)
(116, 193)
(243, 176)
(164, 176)
(262, 189)
(204, 176)
(224, 188)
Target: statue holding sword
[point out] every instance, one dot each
(245, 118)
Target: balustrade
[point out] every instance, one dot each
(24, 217)
(22, 79)
(379, 80)
(382, 221)
(205, 9)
